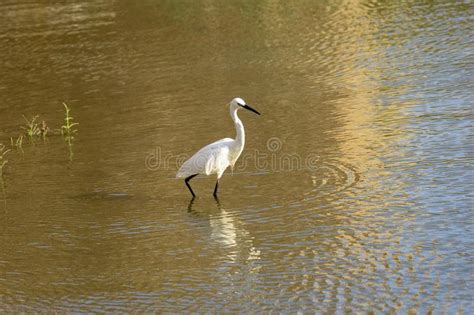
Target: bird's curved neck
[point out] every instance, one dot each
(239, 127)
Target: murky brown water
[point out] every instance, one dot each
(355, 192)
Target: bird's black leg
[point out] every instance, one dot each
(215, 189)
(186, 180)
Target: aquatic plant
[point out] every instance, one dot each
(67, 129)
(34, 129)
(31, 128)
(3, 161)
(18, 143)
(44, 129)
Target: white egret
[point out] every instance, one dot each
(214, 158)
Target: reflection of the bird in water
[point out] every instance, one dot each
(227, 231)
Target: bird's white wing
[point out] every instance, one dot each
(211, 159)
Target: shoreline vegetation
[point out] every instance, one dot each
(33, 130)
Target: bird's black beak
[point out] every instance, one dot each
(251, 109)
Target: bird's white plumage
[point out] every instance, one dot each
(214, 158)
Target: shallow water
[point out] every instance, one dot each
(354, 191)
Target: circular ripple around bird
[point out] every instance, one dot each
(301, 188)
(332, 178)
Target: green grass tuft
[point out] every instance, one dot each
(67, 129)
(3, 162)
(34, 129)
(18, 143)
(31, 128)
